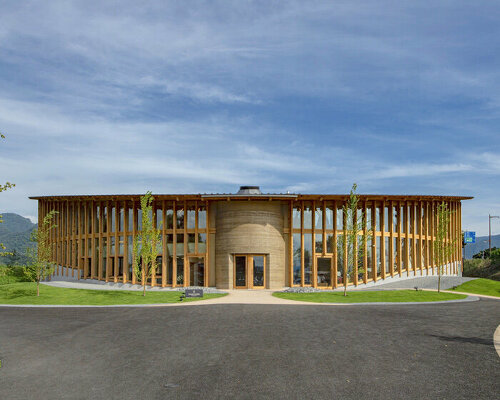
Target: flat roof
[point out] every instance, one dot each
(264, 196)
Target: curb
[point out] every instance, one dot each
(213, 302)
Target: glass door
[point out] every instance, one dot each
(258, 263)
(249, 271)
(196, 271)
(324, 271)
(240, 272)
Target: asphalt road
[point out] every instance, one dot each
(428, 351)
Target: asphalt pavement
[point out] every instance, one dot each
(251, 351)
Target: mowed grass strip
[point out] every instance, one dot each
(487, 287)
(25, 293)
(389, 296)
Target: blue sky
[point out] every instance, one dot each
(402, 97)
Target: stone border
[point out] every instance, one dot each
(496, 340)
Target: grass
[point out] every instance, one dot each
(392, 296)
(480, 286)
(25, 293)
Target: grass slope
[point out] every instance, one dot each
(25, 293)
(396, 296)
(480, 286)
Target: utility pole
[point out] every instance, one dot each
(489, 221)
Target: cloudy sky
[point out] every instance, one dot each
(100, 97)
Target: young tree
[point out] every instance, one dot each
(41, 265)
(3, 188)
(350, 243)
(443, 249)
(146, 243)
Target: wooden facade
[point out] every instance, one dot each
(94, 235)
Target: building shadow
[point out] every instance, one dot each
(474, 340)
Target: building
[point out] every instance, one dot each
(251, 240)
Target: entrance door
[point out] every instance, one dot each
(196, 271)
(324, 271)
(249, 271)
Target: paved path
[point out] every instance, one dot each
(251, 351)
(424, 282)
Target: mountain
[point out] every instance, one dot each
(481, 244)
(15, 232)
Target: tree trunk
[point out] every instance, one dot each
(144, 289)
(38, 288)
(439, 279)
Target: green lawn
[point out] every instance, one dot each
(25, 293)
(480, 286)
(395, 296)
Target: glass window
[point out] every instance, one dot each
(386, 219)
(104, 220)
(329, 242)
(340, 218)
(296, 216)
(329, 217)
(258, 271)
(387, 267)
(170, 218)
(318, 217)
(369, 216)
(180, 218)
(202, 242)
(130, 227)
(411, 217)
(297, 271)
(122, 219)
(403, 219)
(159, 218)
(112, 246)
(395, 218)
(369, 256)
(191, 217)
(120, 248)
(395, 254)
(180, 270)
(378, 218)
(340, 258)
(308, 262)
(130, 251)
(202, 217)
(379, 256)
(319, 243)
(191, 242)
(403, 254)
(180, 244)
(113, 219)
(307, 216)
(139, 219)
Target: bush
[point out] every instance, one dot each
(12, 274)
(479, 268)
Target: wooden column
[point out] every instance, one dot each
(207, 247)
(134, 234)
(164, 245)
(117, 240)
(313, 243)
(391, 237)
(174, 245)
(365, 244)
(382, 239)
(355, 250)
(335, 257)
(125, 242)
(399, 255)
(374, 241)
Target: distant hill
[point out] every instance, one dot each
(481, 244)
(15, 232)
